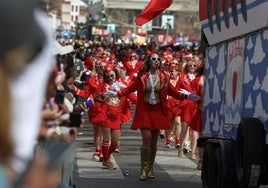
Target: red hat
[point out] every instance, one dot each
(89, 63)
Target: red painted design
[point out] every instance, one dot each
(234, 85)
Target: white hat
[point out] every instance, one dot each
(62, 50)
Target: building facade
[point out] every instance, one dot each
(102, 19)
(182, 15)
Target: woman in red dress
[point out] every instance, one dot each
(188, 106)
(113, 115)
(94, 86)
(174, 105)
(152, 86)
(132, 65)
(196, 123)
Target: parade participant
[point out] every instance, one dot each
(111, 125)
(188, 106)
(126, 102)
(132, 65)
(166, 58)
(196, 123)
(93, 87)
(152, 86)
(174, 106)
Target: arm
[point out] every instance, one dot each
(130, 88)
(175, 93)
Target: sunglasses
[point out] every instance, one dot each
(155, 59)
(101, 67)
(194, 66)
(111, 75)
(174, 70)
(174, 63)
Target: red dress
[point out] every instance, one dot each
(126, 103)
(132, 70)
(174, 105)
(151, 116)
(188, 107)
(197, 85)
(112, 111)
(94, 85)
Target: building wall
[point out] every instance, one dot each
(122, 13)
(73, 12)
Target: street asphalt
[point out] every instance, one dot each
(170, 170)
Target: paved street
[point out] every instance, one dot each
(170, 170)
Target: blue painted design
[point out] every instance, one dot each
(239, 11)
(255, 85)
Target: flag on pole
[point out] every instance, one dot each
(153, 9)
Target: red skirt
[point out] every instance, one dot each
(174, 111)
(113, 117)
(188, 110)
(96, 114)
(151, 117)
(126, 116)
(196, 123)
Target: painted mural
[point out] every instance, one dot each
(226, 87)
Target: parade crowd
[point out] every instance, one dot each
(48, 85)
(165, 84)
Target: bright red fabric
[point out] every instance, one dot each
(153, 9)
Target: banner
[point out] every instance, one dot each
(153, 9)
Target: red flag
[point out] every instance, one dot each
(153, 9)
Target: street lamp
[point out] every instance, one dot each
(76, 28)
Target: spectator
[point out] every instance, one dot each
(25, 55)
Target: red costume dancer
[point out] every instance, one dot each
(132, 65)
(174, 105)
(196, 123)
(111, 125)
(94, 86)
(152, 86)
(188, 106)
(198, 87)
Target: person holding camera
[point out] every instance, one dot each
(25, 55)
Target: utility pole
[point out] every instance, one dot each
(168, 27)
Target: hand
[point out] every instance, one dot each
(121, 85)
(193, 97)
(184, 91)
(78, 82)
(110, 94)
(116, 86)
(90, 102)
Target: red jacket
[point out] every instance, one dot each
(139, 85)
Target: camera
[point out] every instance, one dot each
(75, 119)
(59, 96)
